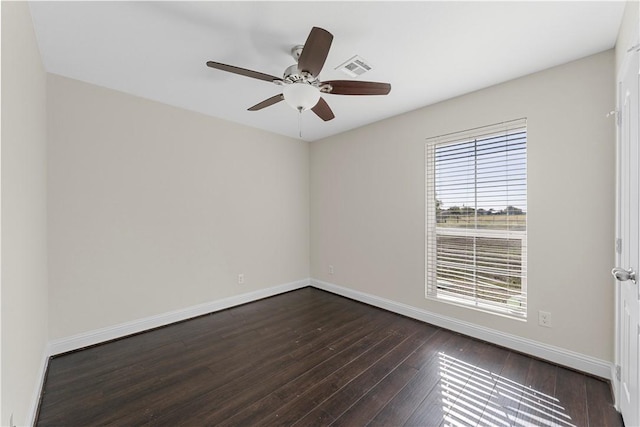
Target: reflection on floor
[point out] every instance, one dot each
(472, 396)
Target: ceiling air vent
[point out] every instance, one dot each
(355, 66)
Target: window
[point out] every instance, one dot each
(476, 218)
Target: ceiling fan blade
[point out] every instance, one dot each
(315, 51)
(243, 71)
(323, 110)
(354, 87)
(267, 102)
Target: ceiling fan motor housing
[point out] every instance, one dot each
(294, 75)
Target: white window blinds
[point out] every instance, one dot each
(476, 209)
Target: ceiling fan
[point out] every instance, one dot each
(301, 87)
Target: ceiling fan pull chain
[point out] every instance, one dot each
(300, 123)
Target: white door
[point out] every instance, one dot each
(628, 251)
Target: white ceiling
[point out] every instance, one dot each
(429, 51)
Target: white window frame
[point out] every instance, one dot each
(433, 288)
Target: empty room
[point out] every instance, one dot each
(420, 213)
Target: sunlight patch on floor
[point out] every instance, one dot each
(472, 395)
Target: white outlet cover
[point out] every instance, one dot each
(544, 318)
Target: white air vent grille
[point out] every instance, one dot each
(355, 66)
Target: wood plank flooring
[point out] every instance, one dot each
(309, 358)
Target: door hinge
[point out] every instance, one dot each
(635, 47)
(618, 372)
(617, 115)
(618, 246)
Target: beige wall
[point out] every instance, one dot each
(24, 249)
(154, 208)
(367, 202)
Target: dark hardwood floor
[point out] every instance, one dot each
(313, 358)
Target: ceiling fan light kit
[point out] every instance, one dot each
(301, 96)
(301, 86)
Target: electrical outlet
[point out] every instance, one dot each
(330, 269)
(241, 279)
(544, 319)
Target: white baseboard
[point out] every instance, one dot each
(38, 386)
(89, 338)
(560, 356)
